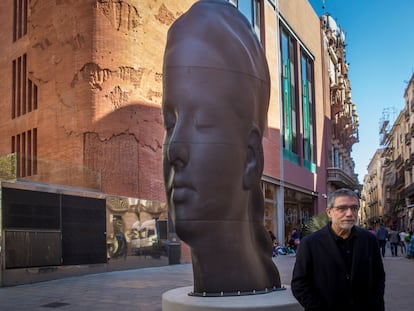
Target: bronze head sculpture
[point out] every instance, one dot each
(216, 90)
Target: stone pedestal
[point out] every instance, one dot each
(179, 300)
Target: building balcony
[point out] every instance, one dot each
(409, 191)
(336, 108)
(407, 139)
(407, 165)
(398, 161)
(386, 162)
(407, 115)
(351, 140)
(340, 179)
(399, 183)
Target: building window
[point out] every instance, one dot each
(24, 91)
(289, 95)
(20, 11)
(298, 109)
(336, 158)
(251, 9)
(308, 113)
(25, 147)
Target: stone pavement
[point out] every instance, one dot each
(141, 289)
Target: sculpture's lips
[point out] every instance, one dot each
(179, 195)
(180, 191)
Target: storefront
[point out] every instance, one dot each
(296, 209)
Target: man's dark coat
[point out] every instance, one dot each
(321, 281)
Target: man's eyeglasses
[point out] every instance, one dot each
(344, 208)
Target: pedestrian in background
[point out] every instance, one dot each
(403, 244)
(294, 240)
(382, 236)
(370, 229)
(339, 267)
(394, 239)
(410, 247)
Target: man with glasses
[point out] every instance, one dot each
(339, 267)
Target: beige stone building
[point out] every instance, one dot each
(406, 214)
(372, 210)
(390, 173)
(393, 170)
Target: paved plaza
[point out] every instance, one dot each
(141, 289)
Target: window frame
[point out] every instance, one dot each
(256, 15)
(289, 93)
(308, 111)
(298, 109)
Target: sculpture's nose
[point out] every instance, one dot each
(177, 153)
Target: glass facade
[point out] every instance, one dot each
(47, 230)
(298, 208)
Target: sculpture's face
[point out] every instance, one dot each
(205, 147)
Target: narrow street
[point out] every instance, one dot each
(399, 283)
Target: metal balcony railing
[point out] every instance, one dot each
(340, 178)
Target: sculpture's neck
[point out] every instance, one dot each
(235, 260)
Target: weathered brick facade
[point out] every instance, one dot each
(98, 69)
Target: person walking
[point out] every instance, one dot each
(294, 240)
(394, 239)
(410, 247)
(339, 267)
(382, 235)
(403, 244)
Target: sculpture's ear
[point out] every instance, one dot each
(254, 159)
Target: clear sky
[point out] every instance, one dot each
(380, 52)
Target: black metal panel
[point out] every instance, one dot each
(83, 230)
(24, 249)
(162, 229)
(24, 209)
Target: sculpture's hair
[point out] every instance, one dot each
(223, 41)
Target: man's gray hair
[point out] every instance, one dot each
(340, 193)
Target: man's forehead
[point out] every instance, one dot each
(345, 198)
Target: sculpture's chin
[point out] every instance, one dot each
(187, 230)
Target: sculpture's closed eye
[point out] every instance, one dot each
(170, 119)
(203, 122)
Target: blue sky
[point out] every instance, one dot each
(380, 51)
